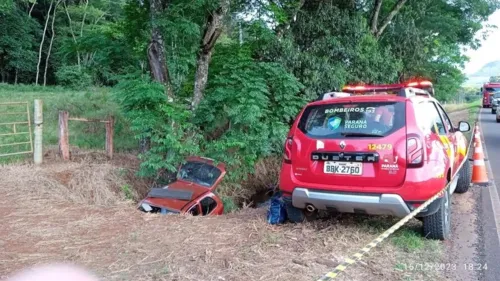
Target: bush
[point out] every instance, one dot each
(244, 117)
(73, 76)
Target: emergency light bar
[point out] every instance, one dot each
(365, 89)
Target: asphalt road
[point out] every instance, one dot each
(489, 208)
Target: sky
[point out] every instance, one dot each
(489, 50)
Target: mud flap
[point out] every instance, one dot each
(453, 184)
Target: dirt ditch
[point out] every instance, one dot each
(52, 213)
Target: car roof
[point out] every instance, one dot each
(372, 98)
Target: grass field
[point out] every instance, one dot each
(93, 103)
(452, 107)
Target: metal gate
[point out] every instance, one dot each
(15, 129)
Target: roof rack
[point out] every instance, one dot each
(411, 92)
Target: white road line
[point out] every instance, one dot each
(495, 199)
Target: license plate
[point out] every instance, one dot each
(343, 168)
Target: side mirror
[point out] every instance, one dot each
(463, 126)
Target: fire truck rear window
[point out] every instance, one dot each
(332, 121)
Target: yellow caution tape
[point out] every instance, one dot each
(357, 256)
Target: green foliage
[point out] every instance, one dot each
(168, 125)
(427, 37)
(229, 205)
(18, 54)
(73, 76)
(127, 191)
(247, 108)
(6, 6)
(327, 47)
(244, 116)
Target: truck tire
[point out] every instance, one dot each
(464, 178)
(498, 120)
(438, 225)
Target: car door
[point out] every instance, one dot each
(208, 204)
(431, 125)
(194, 208)
(449, 138)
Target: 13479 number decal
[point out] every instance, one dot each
(383, 146)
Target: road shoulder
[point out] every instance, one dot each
(489, 221)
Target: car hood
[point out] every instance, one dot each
(174, 196)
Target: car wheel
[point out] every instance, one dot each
(498, 120)
(438, 225)
(297, 215)
(464, 178)
(493, 111)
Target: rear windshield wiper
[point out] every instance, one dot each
(356, 134)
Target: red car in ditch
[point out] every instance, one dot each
(378, 150)
(192, 192)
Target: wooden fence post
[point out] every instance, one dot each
(109, 136)
(63, 135)
(38, 120)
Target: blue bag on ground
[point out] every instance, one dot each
(276, 213)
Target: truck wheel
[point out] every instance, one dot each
(464, 178)
(498, 120)
(297, 215)
(438, 225)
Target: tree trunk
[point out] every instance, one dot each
(389, 18)
(212, 32)
(31, 9)
(280, 29)
(156, 50)
(84, 16)
(15, 77)
(41, 44)
(72, 32)
(50, 45)
(376, 12)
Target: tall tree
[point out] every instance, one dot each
(375, 28)
(42, 41)
(213, 29)
(156, 49)
(51, 41)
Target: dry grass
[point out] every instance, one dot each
(56, 213)
(258, 187)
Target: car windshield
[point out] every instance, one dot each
(347, 120)
(492, 89)
(199, 173)
(496, 95)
